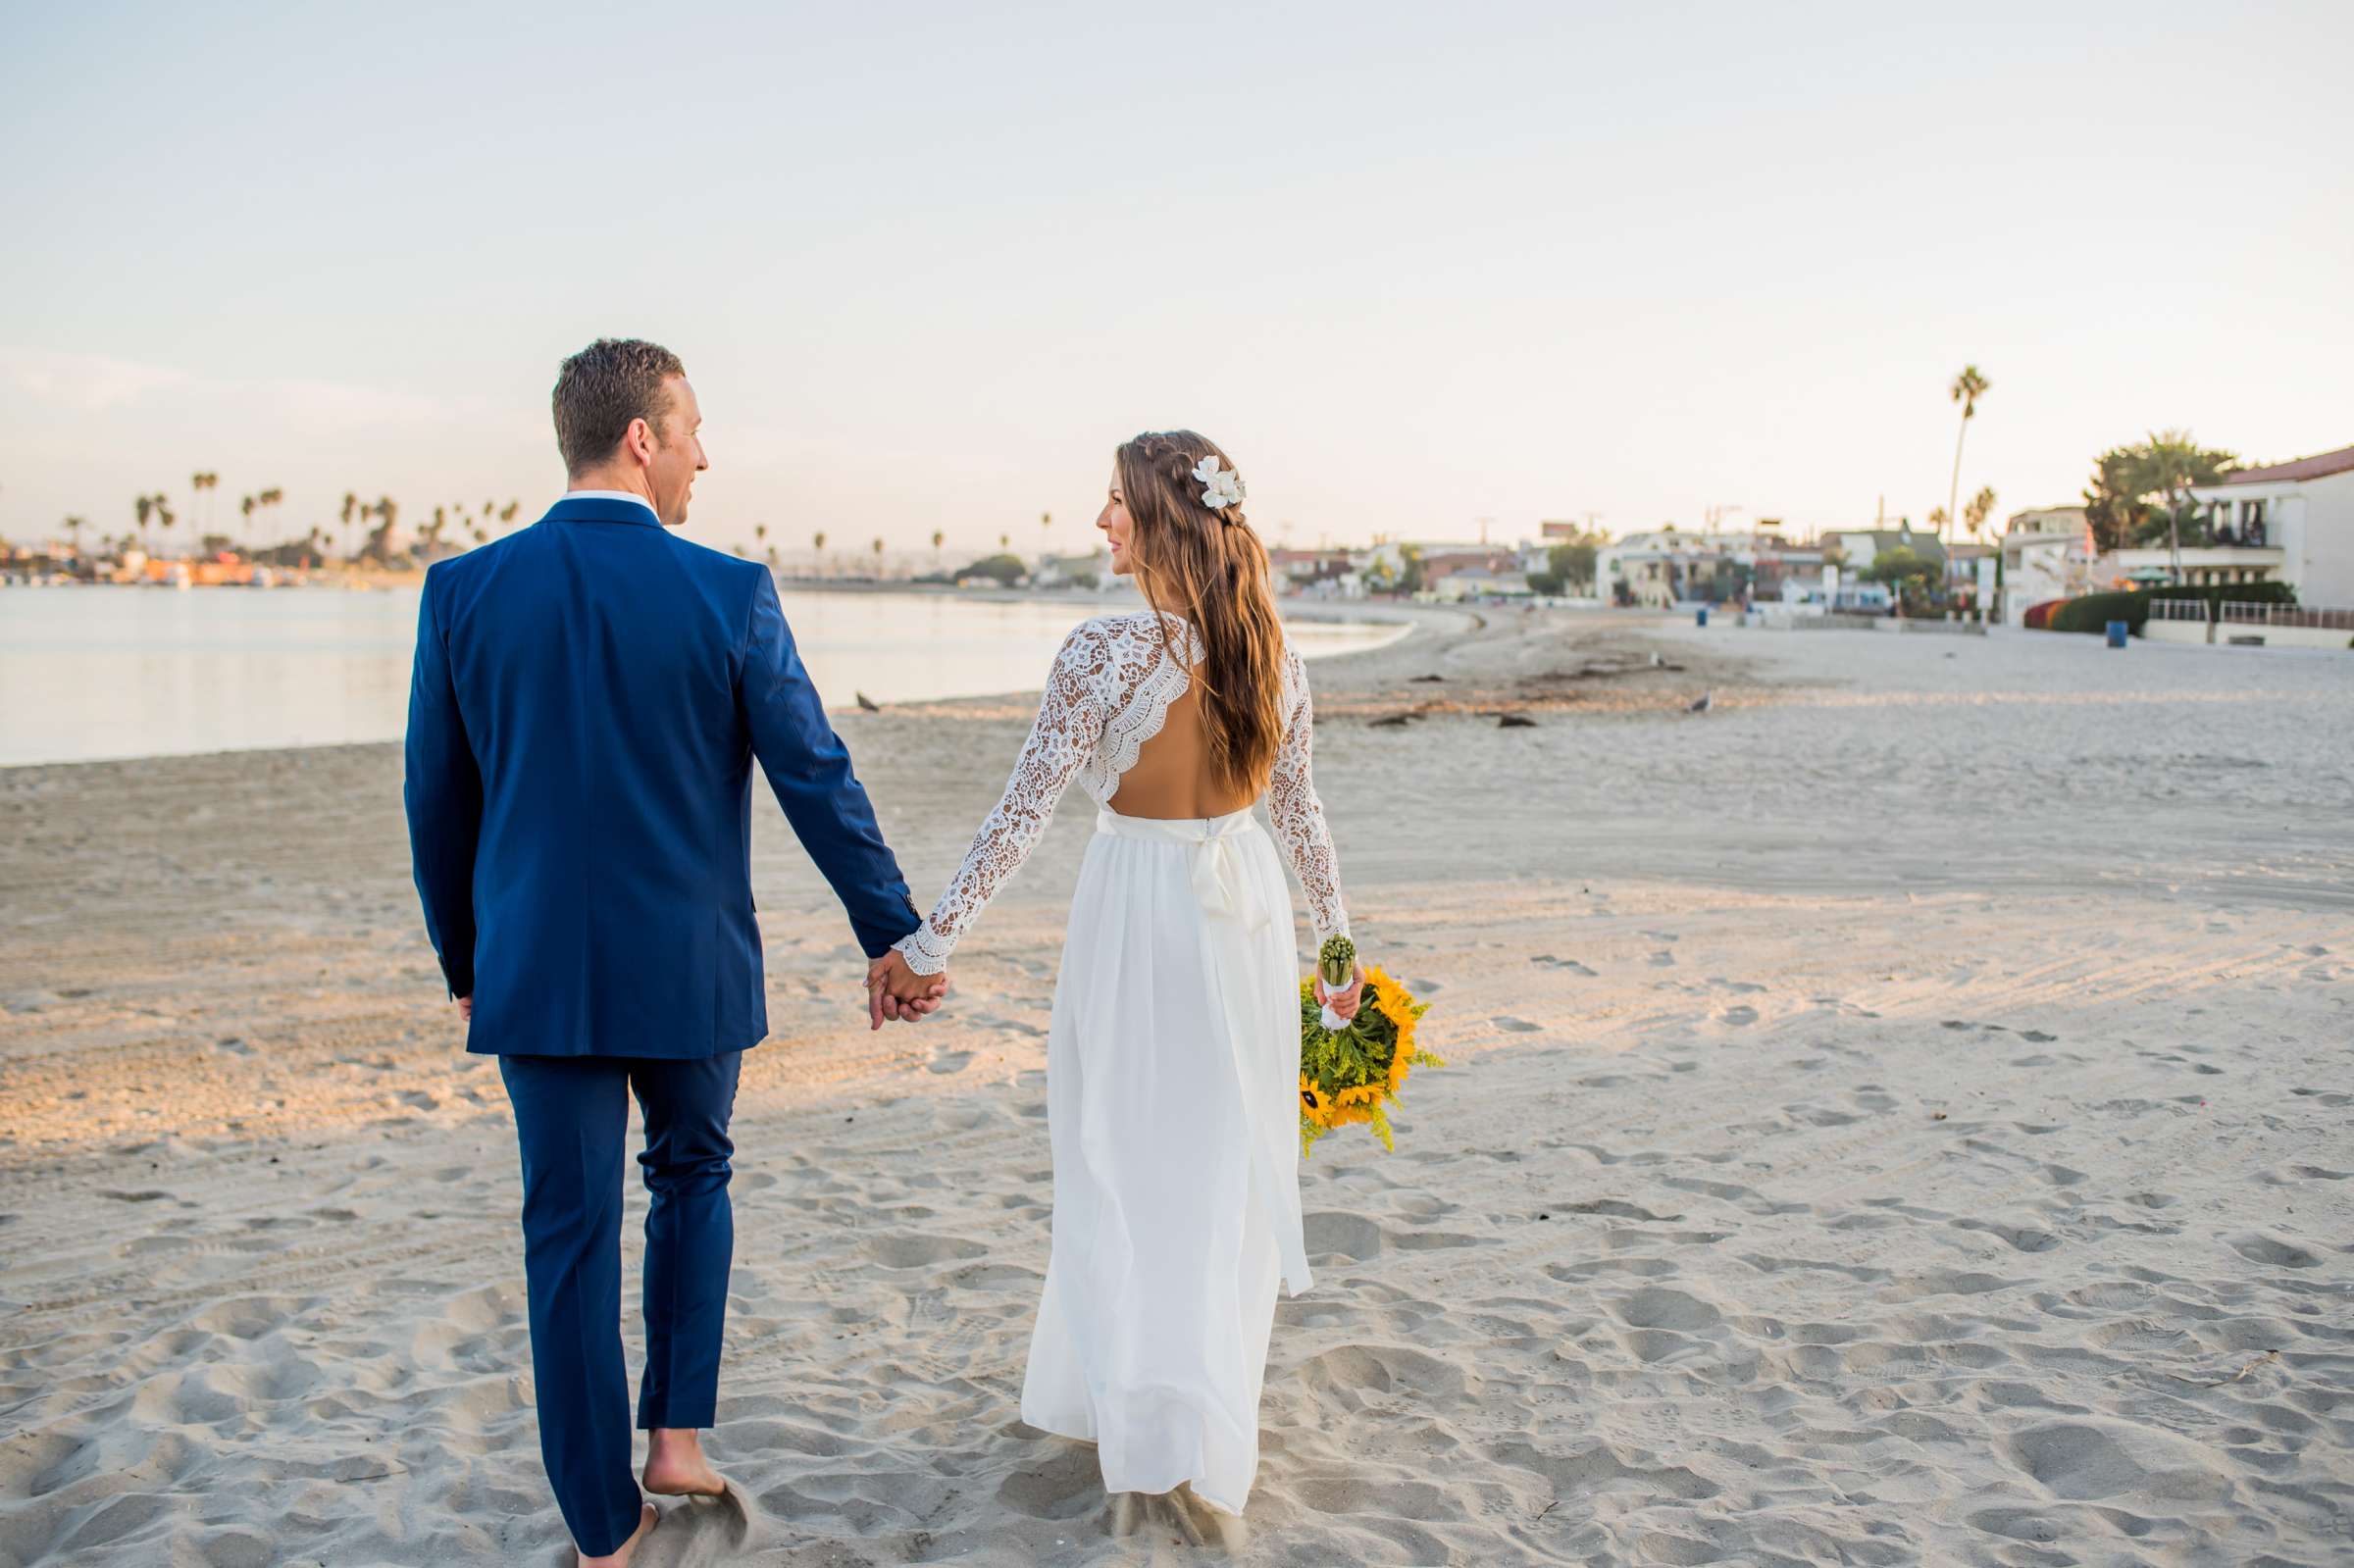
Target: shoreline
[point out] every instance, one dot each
(1410, 619)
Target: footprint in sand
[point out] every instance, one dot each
(1516, 1026)
(948, 1061)
(908, 1250)
(1740, 1015)
(2259, 1248)
(1548, 961)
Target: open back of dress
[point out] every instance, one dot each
(1172, 776)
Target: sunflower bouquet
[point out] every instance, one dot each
(1349, 1073)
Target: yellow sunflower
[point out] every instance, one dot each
(1314, 1103)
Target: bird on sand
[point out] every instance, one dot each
(1706, 701)
(868, 703)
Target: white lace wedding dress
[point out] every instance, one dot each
(1172, 1072)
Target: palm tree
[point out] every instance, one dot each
(481, 537)
(937, 538)
(877, 557)
(163, 512)
(351, 504)
(1004, 541)
(74, 533)
(270, 498)
(245, 534)
(1979, 509)
(507, 512)
(387, 511)
(1968, 389)
(818, 541)
(144, 506)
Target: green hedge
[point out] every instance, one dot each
(2094, 611)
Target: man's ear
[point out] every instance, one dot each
(639, 440)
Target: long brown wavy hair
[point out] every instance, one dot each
(1209, 568)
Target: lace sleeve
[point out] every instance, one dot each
(1298, 815)
(1070, 718)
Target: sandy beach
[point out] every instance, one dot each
(1900, 1115)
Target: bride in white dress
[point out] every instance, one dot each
(1172, 1062)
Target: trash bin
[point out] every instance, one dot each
(1700, 617)
(2117, 632)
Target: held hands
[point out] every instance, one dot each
(895, 992)
(465, 1009)
(1343, 1002)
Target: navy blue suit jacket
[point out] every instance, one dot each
(588, 700)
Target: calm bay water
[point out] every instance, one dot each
(89, 673)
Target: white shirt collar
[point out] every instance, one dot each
(612, 495)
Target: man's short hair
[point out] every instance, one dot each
(604, 387)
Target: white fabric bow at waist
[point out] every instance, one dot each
(1219, 882)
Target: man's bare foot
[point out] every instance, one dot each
(647, 1518)
(675, 1466)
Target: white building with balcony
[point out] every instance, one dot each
(2302, 510)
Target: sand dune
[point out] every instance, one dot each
(1898, 1117)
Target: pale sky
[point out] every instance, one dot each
(1412, 265)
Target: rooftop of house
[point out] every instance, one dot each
(2318, 466)
(1913, 539)
(2046, 519)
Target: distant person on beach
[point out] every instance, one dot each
(588, 697)
(1173, 1052)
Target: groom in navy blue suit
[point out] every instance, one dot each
(588, 697)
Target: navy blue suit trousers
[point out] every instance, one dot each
(572, 1117)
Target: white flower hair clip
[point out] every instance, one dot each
(1221, 487)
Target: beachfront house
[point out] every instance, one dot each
(1662, 569)
(2047, 554)
(2290, 521)
(1090, 571)
(1316, 574)
(1481, 582)
(1643, 570)
(1862, 546)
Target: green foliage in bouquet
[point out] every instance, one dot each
(1352, 1074)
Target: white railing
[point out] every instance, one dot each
(2328, 618)
(2179, 610)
